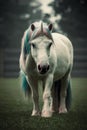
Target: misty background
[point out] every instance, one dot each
(69, 17)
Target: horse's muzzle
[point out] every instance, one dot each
(43, 68)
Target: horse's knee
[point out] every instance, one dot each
(46, 95)
(63, 93)
(35, 96)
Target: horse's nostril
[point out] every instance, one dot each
(39, 67)
(48, 67)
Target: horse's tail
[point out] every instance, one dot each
(25, 85)
(69, 96)
(57, 87)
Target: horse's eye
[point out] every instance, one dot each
(50, 44)
(33, 45)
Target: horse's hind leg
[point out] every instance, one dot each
(55, 94)
(63, 94)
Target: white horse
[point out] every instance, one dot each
(48, 58)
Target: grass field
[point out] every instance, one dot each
(15, 111)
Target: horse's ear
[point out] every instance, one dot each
(50, 27)
(32, 27)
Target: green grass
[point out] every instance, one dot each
(15, 110)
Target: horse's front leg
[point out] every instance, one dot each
(47, 98)
(34, 87)
(63, 94)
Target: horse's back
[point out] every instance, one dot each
(63, 45)
(63, 39)
(64, 54)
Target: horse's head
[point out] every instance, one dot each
(41, 42)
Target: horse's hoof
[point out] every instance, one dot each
(62, 110)
(46, 114)
(34, 113)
